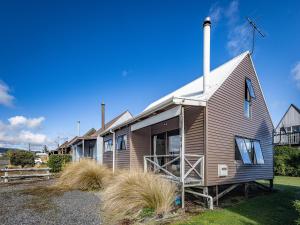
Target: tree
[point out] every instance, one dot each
(21, 158)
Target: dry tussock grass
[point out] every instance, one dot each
(131, 192)
(85, 175)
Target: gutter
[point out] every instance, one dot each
(167, 102)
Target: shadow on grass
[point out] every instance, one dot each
(264, 208)
(271, 209)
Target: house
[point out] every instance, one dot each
(287, 132)
(214, 133)
(88, 145)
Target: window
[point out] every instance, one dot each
(249, 95)
(296, 128)
(121, 142)
(250, 88)
(241, 146)
(174, 142)
(108, 145)
(259, 159)
(248, 150)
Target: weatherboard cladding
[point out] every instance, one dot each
(225, 119)
(107, 156)
(140, 146)
(123, 156)
(290, 118)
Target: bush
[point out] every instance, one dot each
(85, 175)
(131, 194)
(57, 162)
(287, 161)
(297, 206)
(21, 158)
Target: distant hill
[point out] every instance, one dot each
(3, 150)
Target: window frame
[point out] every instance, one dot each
(249, 94)
(250, 88)
(119, 146)
(251, 155)
(112, 145)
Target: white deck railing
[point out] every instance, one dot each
(169, 166)
(287, 139)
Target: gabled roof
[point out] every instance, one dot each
(126, 115)
(64, 145)
(295, 107)
(89, 133)
(291, 105)
(194, 89)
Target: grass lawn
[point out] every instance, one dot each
(271, 209)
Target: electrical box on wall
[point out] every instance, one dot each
(222, 170)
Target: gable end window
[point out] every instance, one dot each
(122, 142)
(249, 96)
(248, 150)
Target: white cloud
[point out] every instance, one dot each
(240, 34)
(26, 136)
(27, 122)
(296, 74)
(20, 131)
(215, 12)
(6, 98)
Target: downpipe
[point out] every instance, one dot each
(210, 198)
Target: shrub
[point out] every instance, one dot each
(57, 162)
(131, 194)
(297, 206)
(287, 161)
(85, 175)
(21, 158)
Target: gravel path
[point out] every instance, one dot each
(32, 203)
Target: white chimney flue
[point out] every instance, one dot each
(206, 49)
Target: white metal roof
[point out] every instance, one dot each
(194, 89)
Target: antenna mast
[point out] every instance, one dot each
(254, 29)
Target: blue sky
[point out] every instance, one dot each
(60, 59)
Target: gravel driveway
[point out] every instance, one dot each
(34, 203)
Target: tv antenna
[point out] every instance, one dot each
(254, 30)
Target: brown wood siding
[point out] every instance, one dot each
(123, 156)
(140, 145)
(107, 156)
(194, 130)
(194, 135)
(225, 119)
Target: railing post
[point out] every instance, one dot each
(48, 173)
(145, 165)
(5, 176)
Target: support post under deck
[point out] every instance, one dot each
(182, 153)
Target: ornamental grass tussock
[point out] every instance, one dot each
(85, 175)
(130, 193)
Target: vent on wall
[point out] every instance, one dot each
(222, 170)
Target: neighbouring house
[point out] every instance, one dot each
(64, 148)
(88, 146)
(215, 131)
(287, 132)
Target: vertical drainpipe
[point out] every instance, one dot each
(114, 150)
(83, 148)
(182, 154)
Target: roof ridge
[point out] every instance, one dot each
(298, 110)
(197, 88)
